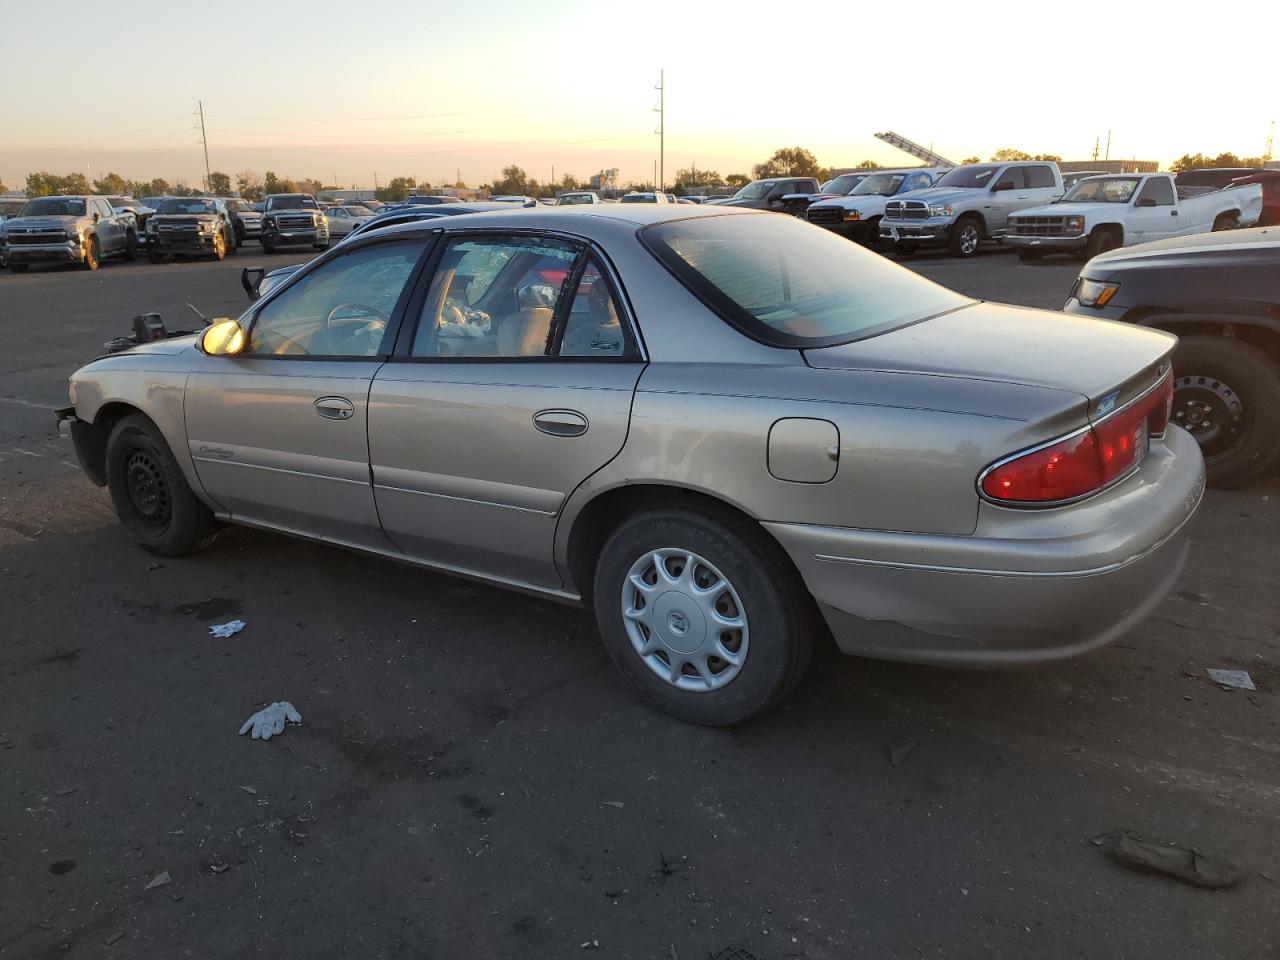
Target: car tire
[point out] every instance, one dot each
(871, 238)
(267, 246)
(90, 261)
(150, 493)
(1226, 393)
(1226, 221)
(761, 589)
(1100, 241)
(966, 238)
(905, 249)
(219, 246)
(131, 246)
(1030, 256)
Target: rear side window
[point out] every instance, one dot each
(1040, 177)
(788, 284)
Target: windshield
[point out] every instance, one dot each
(54, 207)
(238, 206)
(842, 184)
(754, 191)
(569, 198)
(639, 198)
(782, 282)
(1103, 190)
(185, 205)
(880, 185)
(978, 175)
(293, 203)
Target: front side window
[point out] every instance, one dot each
(786, 284)
(1159, 190)
(340, 309)
(1015, 178)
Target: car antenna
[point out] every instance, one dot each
(203, 318)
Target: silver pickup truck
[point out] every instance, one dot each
(967, 205)
(81, 230)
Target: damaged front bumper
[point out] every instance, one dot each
(89, 441)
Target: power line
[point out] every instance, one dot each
(404, 116)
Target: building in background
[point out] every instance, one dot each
(1110, 166)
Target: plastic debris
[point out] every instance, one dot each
(1181, 863)
(1233, 679)
(269, 721)
(113, 938)
(899, 749)
(249, 790)
(224, 630)
(612, 803)
(161, 879)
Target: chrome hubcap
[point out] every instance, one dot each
(969, 239)
(684, 619)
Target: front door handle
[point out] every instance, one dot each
(560, 423)
(335, 408)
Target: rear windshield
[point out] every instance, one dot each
(789, 284)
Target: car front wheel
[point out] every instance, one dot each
(150, 493)
(703, 614)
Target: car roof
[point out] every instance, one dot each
(586, 220)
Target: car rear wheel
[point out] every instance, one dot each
(150, 493)
(90, 261)
(1226, 394)
(966, 238)
(703, 614)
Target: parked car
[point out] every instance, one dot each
(291, 220)
(10, 207)
(797, 203)
(513, 199)
(769, 194)
(191, 226)
(141, 213)
(70, 229)
(943, 480)
(247, 221)
(644, 196)
(857, 216)
(427, 199)
(342, 220)
(578, 197)
(1214, 177)
(967, 205)
(1270, 183)
(1220, 293)
(1118, 210)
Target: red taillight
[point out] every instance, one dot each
(1086, 461)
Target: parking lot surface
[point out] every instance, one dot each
(472, 778)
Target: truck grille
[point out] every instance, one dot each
(17, 239)
(1038, 226)
(176, 226)
(906, 210)
(295, 222)
(825, 215)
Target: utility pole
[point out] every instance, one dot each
(1097, 142)
(1108, 156)
(660, 177)
(1271, 135)
(204, 139)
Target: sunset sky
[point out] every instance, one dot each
(426, 89)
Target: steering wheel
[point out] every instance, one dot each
(368, 309)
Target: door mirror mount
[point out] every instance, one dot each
(1001, 186)
(222, 338)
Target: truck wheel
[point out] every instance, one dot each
(150, 493)
(702, 613)
(1226, 221)
(1226, 394)
(904, 249)
(131, 246)
(966, 237)
(1100, 241)
(219, 247)
(90, 261)
(871, 239)
(267, 245)
(1030, 256)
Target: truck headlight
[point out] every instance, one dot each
(1074, 223)
(1094, 293)
(851, 215)
(152, 227)
(205, 227)
(940, 210)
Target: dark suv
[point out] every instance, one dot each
(770, 194)
(293, 220)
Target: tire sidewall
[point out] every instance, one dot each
(957, 241)
(183, 532)
(766, 671)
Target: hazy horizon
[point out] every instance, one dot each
(436, 92)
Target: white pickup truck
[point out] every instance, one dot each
(1117, 210)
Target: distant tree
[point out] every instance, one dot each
(3, 189)
(112, 183)
(181, 189)
(44, 184)
(789, 162)
(397, 189)
(641, 186)
(158, 187)
(569, 182)
(1007, 154)
(513, 181)
(691, 176)
(1053, 157)
(460, 185)
(273, 184)
(219, 184)
(75, 183)
(737, 180)
(867, 165)
(968, 160)
(1198, 161)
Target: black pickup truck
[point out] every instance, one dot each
(1220, 293)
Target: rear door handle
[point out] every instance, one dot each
(560, 423)
(335, 408)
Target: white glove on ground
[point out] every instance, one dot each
(269, 721)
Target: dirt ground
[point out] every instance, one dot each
(472, 779)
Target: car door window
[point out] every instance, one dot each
(494, 297)
(1159, 190)
(1013, 179)
(594, 327)
(340, 309)
(1039, 177)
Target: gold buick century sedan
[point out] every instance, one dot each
(726, 432)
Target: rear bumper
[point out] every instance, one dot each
(1029, 587)
(1046, 243)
